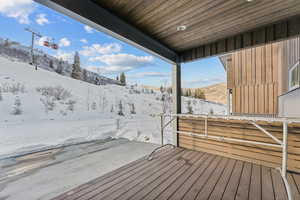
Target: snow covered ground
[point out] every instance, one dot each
(42, 108)
(45, 175)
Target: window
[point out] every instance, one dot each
(294, 78)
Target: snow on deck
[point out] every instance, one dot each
(43, 175)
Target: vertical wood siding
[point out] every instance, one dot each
(252, 75)
(257, 76)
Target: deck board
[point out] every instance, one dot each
(295, 191)
(234, 180)
(153, 178)
(267, 184)
(278, 185)
(219, 189)
(194, 190)
(244, 185)
(255, 185)
(211, 183)
(178, 174)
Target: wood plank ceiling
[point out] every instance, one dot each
(206, 20)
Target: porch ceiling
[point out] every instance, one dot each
(207, 22)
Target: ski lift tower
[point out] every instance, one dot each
(34, 34)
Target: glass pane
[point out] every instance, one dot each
(295, 77)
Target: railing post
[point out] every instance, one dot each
(284, 149)
(206, 126)
(228, 102)
(162, 129)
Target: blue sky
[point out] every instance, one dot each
(99, 52)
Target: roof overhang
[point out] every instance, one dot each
(212, 27)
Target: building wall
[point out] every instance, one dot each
(290, 55)
(253, 76)
(289, 104)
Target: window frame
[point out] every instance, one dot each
(290, 76)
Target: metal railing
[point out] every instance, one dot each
(252, 120)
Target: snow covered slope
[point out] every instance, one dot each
(18, 52)
(42, 108)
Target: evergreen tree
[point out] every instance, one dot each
(120, 112)
(169, 90)
(123, 78)
(117, 78)
(84, 75)
(132, 108)
(6, 43)
(1, 98)
(199, 94)
(76, 72)
(161, 89)
(59, 68)
(51, 64)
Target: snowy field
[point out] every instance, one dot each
(41, 108)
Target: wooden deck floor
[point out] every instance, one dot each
(187, 175)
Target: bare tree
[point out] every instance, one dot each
(189, 107)
(94, 106)
(71, 104)
(48, 103)
(17, 107)
(112, 109)
(165, 98)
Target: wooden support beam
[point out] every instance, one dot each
(176, 92)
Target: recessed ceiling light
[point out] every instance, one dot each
(181, 28)
(249, 0)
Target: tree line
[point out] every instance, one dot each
(83, 74)
(196, 93)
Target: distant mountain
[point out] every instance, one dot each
(18, 52)
(216, 93)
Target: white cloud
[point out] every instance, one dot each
(66, 56)
(64, 42)
(124, 60)
(149, 74)
(41, 19)
(88, 29)
(117, 63)
(97, 49)
(18, 9)
(109, 69)
(84, 41)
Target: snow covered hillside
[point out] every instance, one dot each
(18, 52)
(42, 108)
